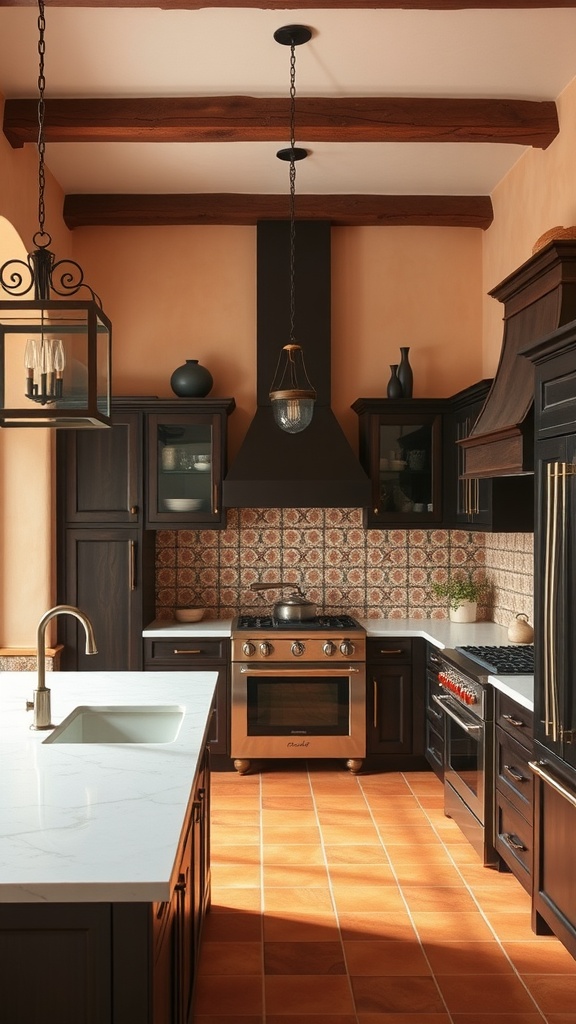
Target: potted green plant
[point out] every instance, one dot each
(463, 593)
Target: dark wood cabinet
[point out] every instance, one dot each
(112, 963)
(434, 715)
(501, 504)
(401, 451)
(514, 787)
(116, 487)
(198, 654)
(394, 699)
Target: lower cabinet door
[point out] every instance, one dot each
(513, 840)
(389, 710)
(554, 892)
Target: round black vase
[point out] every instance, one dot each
(394, 389)
(191, 380)
(405, 374)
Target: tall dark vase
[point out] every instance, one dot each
(191, 380)
(405, 374)
(394, 389)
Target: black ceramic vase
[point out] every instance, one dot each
(394, 389)
(405, 374)
(191, 380)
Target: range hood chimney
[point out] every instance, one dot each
(316, 468)
(538, 298)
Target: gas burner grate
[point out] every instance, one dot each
(505, 660)
(333, 622)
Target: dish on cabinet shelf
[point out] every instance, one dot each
(183, 504)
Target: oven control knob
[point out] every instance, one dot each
(329, 648)
(297, 649)
(248, 649)
(266, 649)
(347, 648)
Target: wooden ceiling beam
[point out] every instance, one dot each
(316, 5)
(228, 208)
(249, 119)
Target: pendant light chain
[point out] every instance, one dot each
(42, 234)
(292, 189)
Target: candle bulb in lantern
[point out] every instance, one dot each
(59, 364)
(30, 361)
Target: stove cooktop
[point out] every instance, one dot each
(516, 660)
(320, 622)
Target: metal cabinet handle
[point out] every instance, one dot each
(132, 569)
(391, 651)
(215, 499)
(178, 651)
(467, 727)
(513, 841)
(516, 722)
(375, 703)
(514, 773)
(134, 510)
(539, 770)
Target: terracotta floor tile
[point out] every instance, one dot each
(227, 817)
(279, 802)
(407, 1018)
(502, 898)
(303, 958)
(239, 927)
(307, 926)
(281, 876)
(544, 955)
(288, 819)
(278, 836)
(428, 898)
(487, 993)
(231, 958)
(411, 835)
(235, 875)
(552, 992)
(375, 958)
(367, 853)
(238, 803)
(361, 874)
(349, 835)
(431, 852)
(301, 993)
(360, 926)
(226, 899)
(292, 854)
(513, 926)
(403, 994)
(293, 898)
(425, 873)
(384, 898)
(401, 804)
(448, 927)
(228, 994)
(410, 818)
(227, 1018)
(467, 958)
(311, 1018)
(238, 835)
(344, 817)
(240, 855)
(501, 1018)
(560, 1018)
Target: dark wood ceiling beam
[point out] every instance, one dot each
(250, 119)
(316, 5)
(228, 208)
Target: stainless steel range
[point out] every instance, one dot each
(467, 702)
(298, 689)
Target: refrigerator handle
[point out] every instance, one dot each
(538, 767)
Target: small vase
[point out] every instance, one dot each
(191, 380)
(405, 375)
(465, 612)
(394, 389)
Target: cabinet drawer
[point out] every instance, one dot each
(513, 776)
(183, 652)
(514, 840)
(389, 651)
(515, 720)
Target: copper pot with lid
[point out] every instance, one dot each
(295, 608)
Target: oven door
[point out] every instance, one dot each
(465, 763)
(309, 711)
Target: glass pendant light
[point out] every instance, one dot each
(55, 352)
(291, 394)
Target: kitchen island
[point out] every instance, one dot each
(104, 860)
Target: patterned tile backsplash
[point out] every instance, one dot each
(338, 564)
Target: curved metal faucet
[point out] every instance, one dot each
(41, 702)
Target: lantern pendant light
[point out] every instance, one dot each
(291, 394)
(55, 349)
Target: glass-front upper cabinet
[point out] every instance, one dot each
(401, 450)
(186, 463)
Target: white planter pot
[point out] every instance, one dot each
(465, 612)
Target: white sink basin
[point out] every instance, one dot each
(119, 724)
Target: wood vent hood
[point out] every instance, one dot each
(316, 468)
(538, 298)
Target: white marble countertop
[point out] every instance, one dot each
(166, 628)
(95, 822)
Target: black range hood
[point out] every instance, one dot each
(316, 468)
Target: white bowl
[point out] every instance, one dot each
(203, 467)
(183, 504)
(188, 614)
(397, 464)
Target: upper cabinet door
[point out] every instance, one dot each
(186, 453)
(102, 472)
